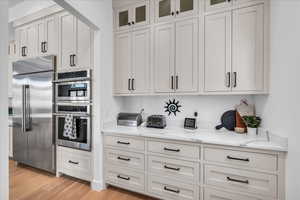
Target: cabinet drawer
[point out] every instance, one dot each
(76, 163)
(241, 180)
(174, 149)
(125, 178)
(173, 190)
(211, 194)
(243, 159)
(125, 159)
(124, 142)
(182, 170)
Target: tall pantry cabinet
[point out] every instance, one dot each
(75, 43)
(234, 50)
(132, 49)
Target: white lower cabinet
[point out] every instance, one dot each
(212, 194)
(74, 163)
(178, 170)
(241, 180)
(125, 177)
(166, 188)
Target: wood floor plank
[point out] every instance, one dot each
(27, 183)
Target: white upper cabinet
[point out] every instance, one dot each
(248, 45)
(132, 62)
(217, 4)
(168, 10)
(165, 10)
(75, 39)
(234, 50)
(66, 40)
(84, 45)
(132, 16)
(122, 63)
(47, 36)
(176, 57)
(27, 40)
(140, 77)
(186, 56)
(217, 66)
(164, 51)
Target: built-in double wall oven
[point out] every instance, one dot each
(73, 109)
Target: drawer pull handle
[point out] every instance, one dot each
(240, 159)
(126, 143)
(125, 159)
(174, 150)
(124, 178)
(236, 180)
(72, 162)
(171, 190)
(172, 168)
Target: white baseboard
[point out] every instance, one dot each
(98, 185)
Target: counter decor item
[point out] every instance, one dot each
(228, 120)
(240, 124)
(172, 107)
(252, 122)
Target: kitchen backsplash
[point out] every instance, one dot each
(209, 108)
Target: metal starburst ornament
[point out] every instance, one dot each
(172, 107)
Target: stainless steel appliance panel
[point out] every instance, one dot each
(20, 139)
(39, 110)
(33, 136)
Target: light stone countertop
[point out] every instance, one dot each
(204, 136)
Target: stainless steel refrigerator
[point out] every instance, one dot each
(33, 135)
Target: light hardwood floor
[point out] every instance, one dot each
(31, 184)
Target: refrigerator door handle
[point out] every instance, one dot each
(23, 109)
(27, 120)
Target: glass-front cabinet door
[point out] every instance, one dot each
(123, 18)
(186, 7)
(141, 15)
(211, 5)
(165, 10)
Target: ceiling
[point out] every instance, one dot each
(12, 3)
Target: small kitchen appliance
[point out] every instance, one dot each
(156, 121)
(81, 114)
(190, 123)
(129, 119)
(73, 86)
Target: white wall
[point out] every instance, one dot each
(209, 108)
(27, 7)
(281, 109)
(3, 100)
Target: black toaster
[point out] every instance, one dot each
(156, 121)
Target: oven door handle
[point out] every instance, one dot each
(74, 115)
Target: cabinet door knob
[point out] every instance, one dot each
(177, 12)
(129, 23)
(172, 13)
(132, 22)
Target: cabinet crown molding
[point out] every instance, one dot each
(37, 15)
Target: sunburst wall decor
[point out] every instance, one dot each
(172, 107)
